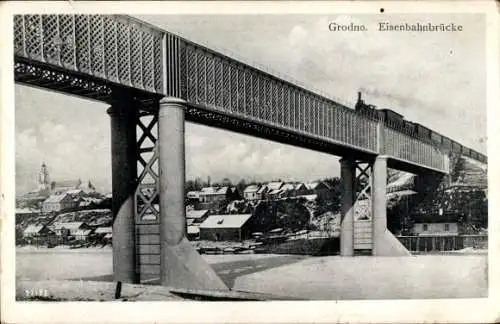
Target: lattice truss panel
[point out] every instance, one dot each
(412, 149)
(113, 48)
(222, 84)
(147, 192)
(95, 52)
(363, 184)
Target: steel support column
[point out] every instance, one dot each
(124, 172)
(379, 203)
(348, 175)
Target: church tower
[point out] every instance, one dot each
(43, 179)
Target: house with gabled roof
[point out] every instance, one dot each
(56, 203)
(196, 216)
(319, 188)
(70, 228)
(250, 192)
(234, 227)
(37, 231)
(214, 198)
(273, 189)
(301, 189)
(288, 190)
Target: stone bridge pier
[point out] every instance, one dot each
(364, 210)
(180, 265)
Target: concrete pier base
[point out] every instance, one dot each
(124, 172)
(347, 175)
(180, 265)
(384, 242)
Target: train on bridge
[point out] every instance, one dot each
(397, 122)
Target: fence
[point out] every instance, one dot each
(435, 243)
(54, 240)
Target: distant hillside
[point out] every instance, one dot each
(92, 217)
(459, 196)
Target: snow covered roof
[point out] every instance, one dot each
(226, 221)
(274, 185)
(193, 230)
(251, 188)
(309, 197)
(26, 211)
(262, 189)
(102, 230)
(274, 192)
(33, 229)
(314, 185)
(214, 191)
(193, 194)
(223, 190)
(55, 198)
(69, 225)
(82, 232)
(287, 186)
(74, 191)
(297, 187)
(195, 214)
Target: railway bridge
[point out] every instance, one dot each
(154, 81)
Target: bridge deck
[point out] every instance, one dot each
(101, 57)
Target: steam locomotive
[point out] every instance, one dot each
(397, 122)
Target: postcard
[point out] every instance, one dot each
(249, 162)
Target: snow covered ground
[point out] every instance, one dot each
(340, 278)
(459, 275)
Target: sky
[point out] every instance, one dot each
(436, 79)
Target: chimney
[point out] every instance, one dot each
(359, 103)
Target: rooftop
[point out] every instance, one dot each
(70, 225)
(315, 184)
(195, 214)
(274, 185)
(56, 198)
(226, 221)
(102, 230)
(251, 188)
(33, 229)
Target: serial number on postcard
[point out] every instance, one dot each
(36, 292)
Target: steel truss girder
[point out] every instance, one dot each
(60, 80)
(95, 55)
(146, 202)
(112, 47)
(363, 190)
